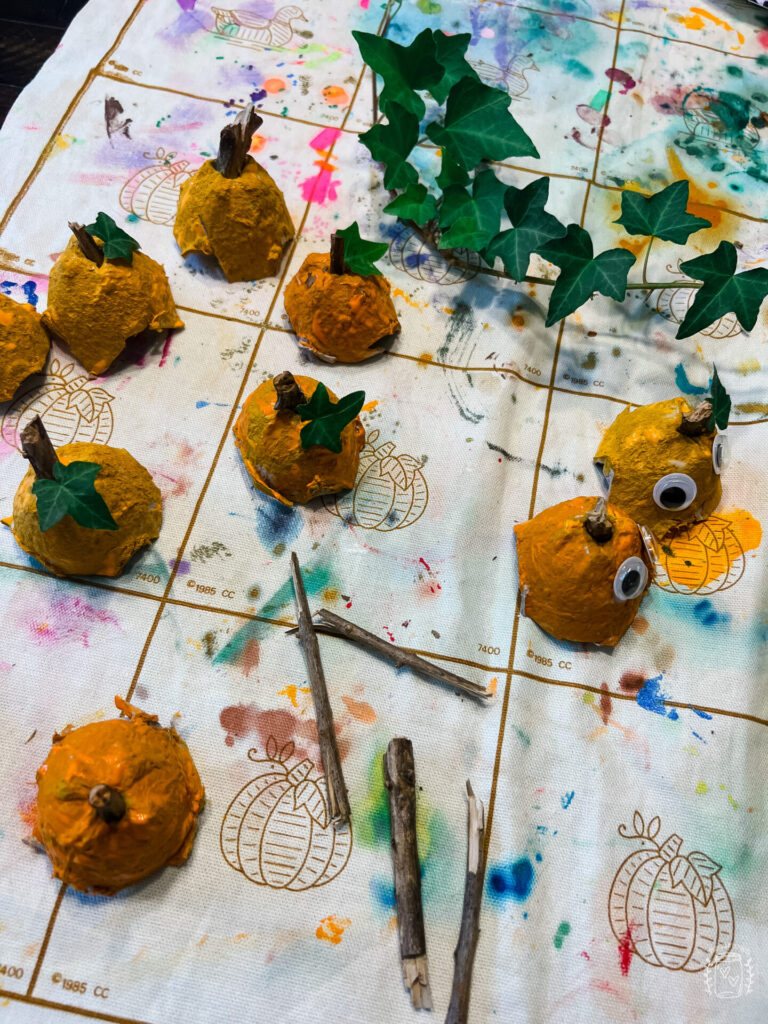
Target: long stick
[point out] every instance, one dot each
(335, 625)
(400, 780)
(469, 933)
(338, 801)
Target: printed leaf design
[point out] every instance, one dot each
(653, 827)
(451, 173)
(582, 273)
(723, 291)
(359, 254)
(116, 243)
(705, 866)
(414, 204)
(532, 228)
(662, 215)
(327, 419)
(403, 69)
(477, 221)
(637, 821)
(721, 403)
(449, 53)
(391, 143)
(72, 493)
(478, 126)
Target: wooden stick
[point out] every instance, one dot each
(338, 801)
(597, 524)
(337, 254)
(235, 141)
(335, 625)
(108, 804)
(87, 245)
(469, 933)
(36, 446)
(400, 780)
(695, 423)
(289, 394)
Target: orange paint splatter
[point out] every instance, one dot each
(426, 357)
(331, 929)
(493, 686)
(639, 625)
(370, 406)
(258, 142)
(335, 96)
(292, 691)
(696, 194)
(273, 85)
(400, 294)
(698, 18)
(360, 710)
(703, 552)
(518, 321)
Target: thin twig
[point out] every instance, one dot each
(337, 254)
(400, 780)
(469, 933)
(335, 625)
(87, 245)
(36, 446)
(338, 801)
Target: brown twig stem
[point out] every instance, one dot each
(337, 254)
(37, 447)
(400, 780)
(338, 801)
(87, 245)
(235, 141)
(597, 524)
(108, 804)
(289, 394)
(696, 422)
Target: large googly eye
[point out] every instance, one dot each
(631, 579)
(604, 479)
(674, 492)
(720, 453)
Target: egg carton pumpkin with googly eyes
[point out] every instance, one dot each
(661, 464)
(584, 567)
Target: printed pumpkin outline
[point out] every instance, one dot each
(411, 254)
(277, 832)
(511, 77)
(254, 31)
(671, 911)
(73, 406)
(702, 110)
(152, 193)
(390, 490)
(706, 557)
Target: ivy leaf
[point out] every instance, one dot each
(532, 228)
(451, 173)
(403, 69)
(475, 227)
(478, 126)
(414, 204)
(117, 244)
(723, 290)
(359, 254)
(391, 143)
(72, 493)
(662, 215)
(449, 53)
(581, 273)
(327, 419)
(456, 202)
(721, 403)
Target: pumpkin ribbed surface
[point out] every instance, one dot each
(24, 345)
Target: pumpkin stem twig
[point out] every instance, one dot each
(108, 804)
(335, 625)
(337, 253)
(289, 394)
(400, 780)
(235, 141)
(87, 245)
(696, 422)
(36, 446)
(597, 524)
(338, 801)
(469, 933)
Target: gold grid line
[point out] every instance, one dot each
(80, 1011)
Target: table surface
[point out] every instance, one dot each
(477, 419)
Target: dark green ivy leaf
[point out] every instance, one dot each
(72, 493)
(359, 254)
(723, 290)
(532, 227)
(403, 69)
(721, 403)
(475, 223)
(327, 419)
(117, 244)
(414, 204)
(662, 215)
(582, 273)
(451, 173)
(391, 143)
(449, 53)
(478, 126)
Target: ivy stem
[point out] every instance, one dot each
(645, 261)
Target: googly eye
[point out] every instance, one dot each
(631, 579)
(720, 453)
(604, 480)
(674, 492)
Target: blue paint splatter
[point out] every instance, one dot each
(650, 698)
(566, 800)
(705, 613)
(699, 737)
(684, 385)
(538, 855)
(701, 714)
(512, 881)
(383, 893)
(277, 523)
(30, 290)
(200, 404)
(258, 95)
(7, 286)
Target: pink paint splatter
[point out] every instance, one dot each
(65, 622)
(365, 4)
(321, 188)
(166, 349)
(625, 80)
(389, 633)
(325, 139)
(762, 38)
(626, 949)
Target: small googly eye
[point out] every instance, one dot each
(604, 479)
(720, 453)
(631, 579)
(674, 492)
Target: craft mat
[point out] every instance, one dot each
(500, 417)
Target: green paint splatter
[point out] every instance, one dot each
(563, 929)
(736, 72)
(762, 61)
(427, 7)
(701, 788)
(524, 738)
(599, 100)
(590, 361)
(576, 68)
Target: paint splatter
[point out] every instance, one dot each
(276, 523)
(331, 929)
(563, 930)
(626, 81)
(705, 613)
(360, 710)
(625, 952)
(511, 881)
(701, 788)
(684, 385)
(567, 799)
(650, 698)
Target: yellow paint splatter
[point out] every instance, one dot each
(64, 141)
(291, 692)
(426, 357)
(400, 294)
(701, 788)
(331, 929)
(588, 697)
(754, 407)
(732, 802)
(612, 16)
(698, 18)
(748, 366)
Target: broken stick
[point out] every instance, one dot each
(338, 801)
(235, 141)
(36, 446)
(464, 954)
(400, 780)
(335, 625)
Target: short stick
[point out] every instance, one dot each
(235, 141)
(36, 446)
(108, 804)
(289, 394)
(337, 254)
(87, 245)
